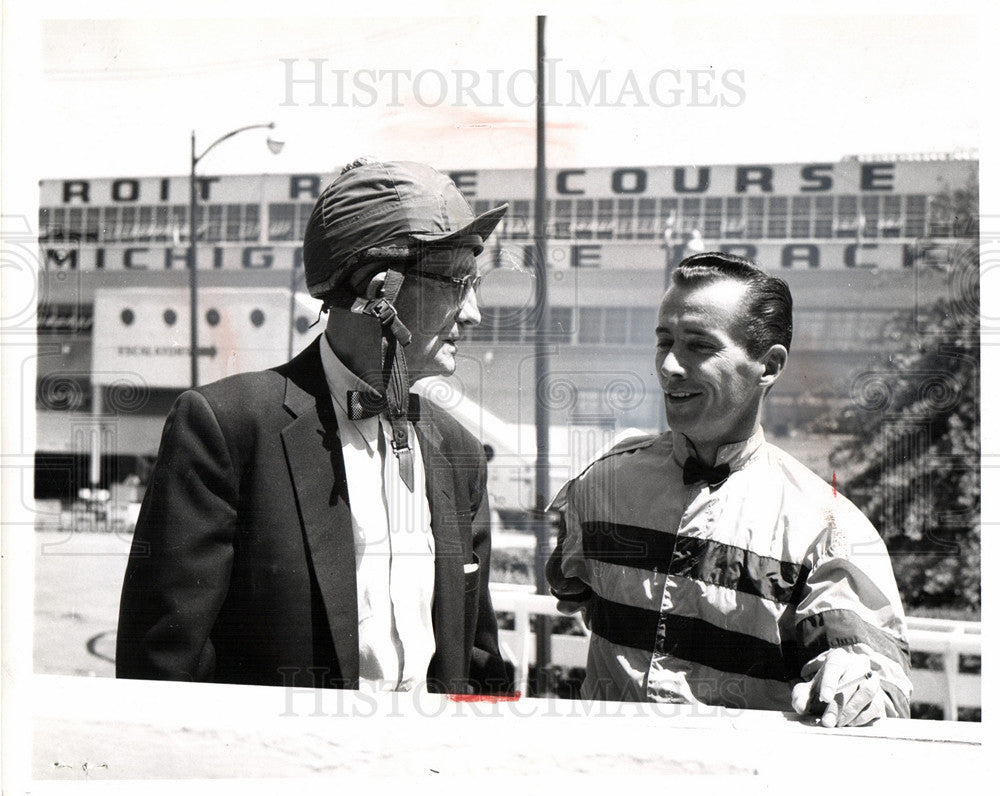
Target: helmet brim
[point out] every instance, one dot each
(481, 226)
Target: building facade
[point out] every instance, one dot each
(858, 240)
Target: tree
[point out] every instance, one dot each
(911, 462)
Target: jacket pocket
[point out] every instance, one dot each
(471, 607)
(471, 571)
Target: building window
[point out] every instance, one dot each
(647, 226)
(736, 222)
(520, 223)
(161, 223)
(891, 223)
(847, 217)
(233, 222)
(74, 319)
(823, 220)
(127, 230)
(777, 217)
(591, 321)
(916, 216)
(755, 217)
(669, 209)
(281, 221)
(625, 227)
(563, 221)
(870, 216)
(74, 224)
(214, 231)
(250, 228)
(642, 326)
(605, 218)
(584, 228)
(506, 324)
(179, 223)
(713, 218)
(144, 227)
(560, 324)
(109, 225)
(615, 325)
(92, 225)
(690, 214)
(940, 221)
(302, 220)
(801, 206)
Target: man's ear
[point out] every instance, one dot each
(375, 286)
(774, 361)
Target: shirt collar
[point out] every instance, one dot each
(341, 380)
(735, 454)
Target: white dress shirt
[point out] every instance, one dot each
(393, 544)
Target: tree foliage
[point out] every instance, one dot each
(911, 461)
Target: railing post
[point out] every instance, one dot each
(522, 624)
(950, 663)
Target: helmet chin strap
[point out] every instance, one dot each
(381, 304)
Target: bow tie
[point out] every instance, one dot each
(695, 471)
(362, 405)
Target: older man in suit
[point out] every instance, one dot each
(316, 524)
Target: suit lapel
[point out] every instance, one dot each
(440, 474)
(310, 439)
(450, 553)
(316, 466)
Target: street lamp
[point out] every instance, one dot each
(275, 147)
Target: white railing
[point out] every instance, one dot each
(949, 687)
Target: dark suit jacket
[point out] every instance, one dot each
(242, 567)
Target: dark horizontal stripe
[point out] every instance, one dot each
(735, 568)
(616, 543)
(841, 628)
(623, 624)
(696, 640)
(690, 639)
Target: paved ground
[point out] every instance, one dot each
(78, 579)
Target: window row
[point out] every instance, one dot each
(844, 330)
(64, 318)
(734, 217)
(150, 224)
(864, 216)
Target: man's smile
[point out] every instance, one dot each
(680, 396)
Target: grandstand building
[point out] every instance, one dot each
(858, 240)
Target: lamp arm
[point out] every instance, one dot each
(196, 158)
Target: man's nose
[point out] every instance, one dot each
(468, 309)
(671, 365)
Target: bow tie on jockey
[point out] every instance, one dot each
(695, 471)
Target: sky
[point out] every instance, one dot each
(121, 96)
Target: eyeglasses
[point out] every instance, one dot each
(469, 282)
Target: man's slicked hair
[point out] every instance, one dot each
(767, 308)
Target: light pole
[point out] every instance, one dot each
(275, 147)
(668, 247)
(543, 640)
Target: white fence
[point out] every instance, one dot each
(948, 687)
